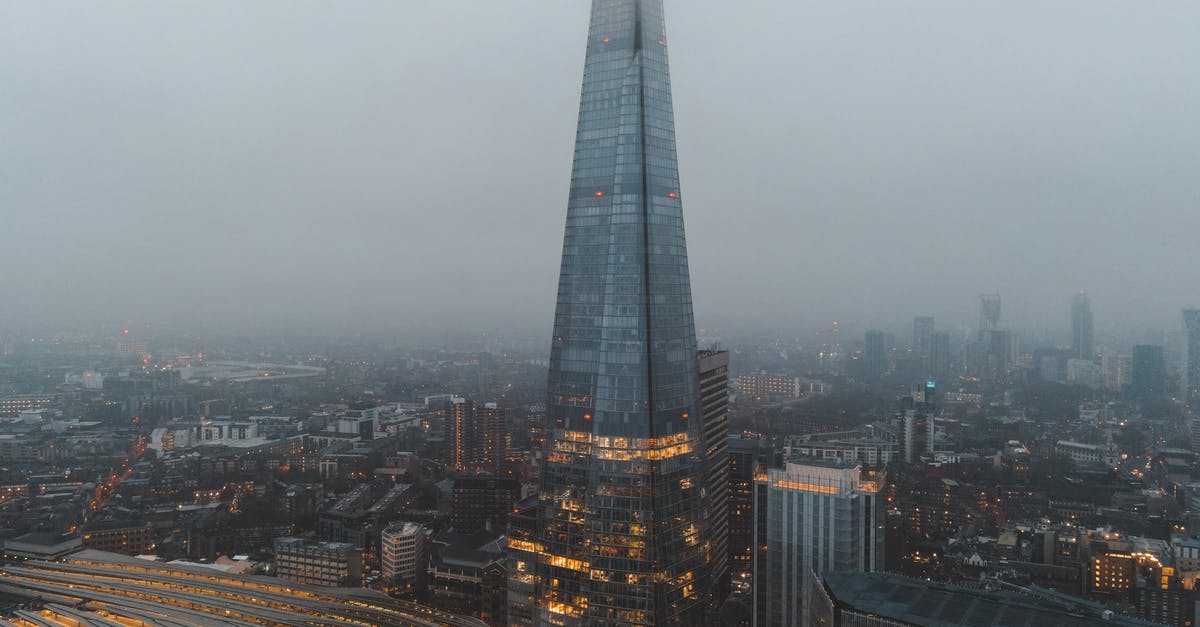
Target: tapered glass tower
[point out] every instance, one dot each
(621, 535)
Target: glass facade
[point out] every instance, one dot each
(812, 518)
(621, 528)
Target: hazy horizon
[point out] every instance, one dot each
(403, 167)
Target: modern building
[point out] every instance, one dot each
(623, 523)
(874, 354)
(1149, 372)
(939, 356)
(1191, 324)
(989, 313)
(812, 518)
(713, 367)
(482, 502)
(870, 445)
(334, 564)
(923, 342)
(475, 436)
(1082, 331)
(403, 552)
(764, 386)
(917, 435)
(746, 456)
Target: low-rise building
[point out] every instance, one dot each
(318, 563)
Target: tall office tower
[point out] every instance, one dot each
(923, 342)
(812, 518)
(1149, 372)
(1082, 331)
(714, 411)
(939, 355)
(989, 313)
(623, 532)
(875, 354)
(1191, 326)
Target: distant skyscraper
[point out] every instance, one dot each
(813, 518)
(1149, 372)
(1082, 343)
(1191, 324)
(989, 313)
(923, 342)
(875, 354)
(939, 355)
(622, 514)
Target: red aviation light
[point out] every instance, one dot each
(685, 416)
(587, 416)
(662, 42)
(599, 193)
(672, 194)
(605, 40)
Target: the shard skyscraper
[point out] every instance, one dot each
(618, 535)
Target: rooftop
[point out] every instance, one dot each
(933, 604)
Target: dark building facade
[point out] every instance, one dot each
(475, 436)
(874, 354)
(1191, 324)
(714, 402)
(1149, 372)
(1082, 329)
(623, 533)
(480, 502)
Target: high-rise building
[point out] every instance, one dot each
(1149, 372)
(746, 455)
(875, 354)
(939, 355)
(989, 313)
(623, 533)
(813, 517)
(459, 423)
(1191, 325)
(923, 342)
(713, 369)
(475, 436)
(1082, 342)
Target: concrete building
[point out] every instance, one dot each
(1087, 454)
(870, 445)
(403, 552)
(335, 564)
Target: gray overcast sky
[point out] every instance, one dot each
(330, 166)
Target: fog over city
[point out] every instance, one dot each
(403, 166)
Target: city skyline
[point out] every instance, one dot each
(221, 185)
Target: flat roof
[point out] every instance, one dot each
(918, 602)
